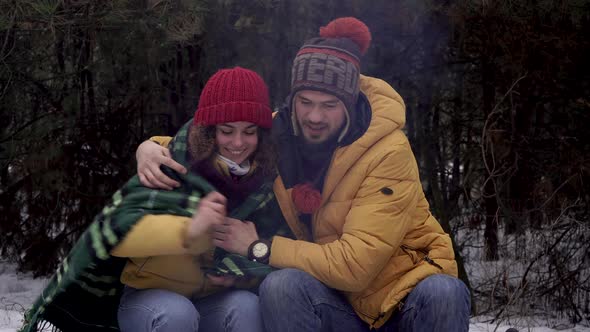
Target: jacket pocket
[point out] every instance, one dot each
(418, 255)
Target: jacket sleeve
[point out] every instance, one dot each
(373, 230)
(160, 235)
(161, 140)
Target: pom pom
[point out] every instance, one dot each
(348, 27)
(306, 198)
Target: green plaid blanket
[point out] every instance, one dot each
(83, 294)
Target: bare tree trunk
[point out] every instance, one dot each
(490, 198)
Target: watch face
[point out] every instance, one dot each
(259, 250)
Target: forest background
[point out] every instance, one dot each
(498, 114)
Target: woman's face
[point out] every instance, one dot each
(236, 141)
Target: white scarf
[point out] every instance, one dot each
(235, 168)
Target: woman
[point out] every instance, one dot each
(159, 241)
(167, 288)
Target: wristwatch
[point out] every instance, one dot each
(259, 251)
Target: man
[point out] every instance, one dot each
(368, 252)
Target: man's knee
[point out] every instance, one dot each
(285, 282)
(444, 285)
(445, 290)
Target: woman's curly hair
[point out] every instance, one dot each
(201, 144)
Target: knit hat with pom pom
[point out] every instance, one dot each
(331, 63)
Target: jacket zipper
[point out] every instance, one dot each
(376, 319)
(399, 307)
(424, 252)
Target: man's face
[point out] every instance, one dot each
(320, 116)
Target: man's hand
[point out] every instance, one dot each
(234, 235)
(149, 157)
(211, 212)
(223, 280)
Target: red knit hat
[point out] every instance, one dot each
(232, 95)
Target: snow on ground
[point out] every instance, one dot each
(18, 291)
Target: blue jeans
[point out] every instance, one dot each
(158, 310)
(293, 300)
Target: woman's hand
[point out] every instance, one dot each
(234, 235)
(150, 156)
(222, 280)
(211, 212)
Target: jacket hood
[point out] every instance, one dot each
(388, 110)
